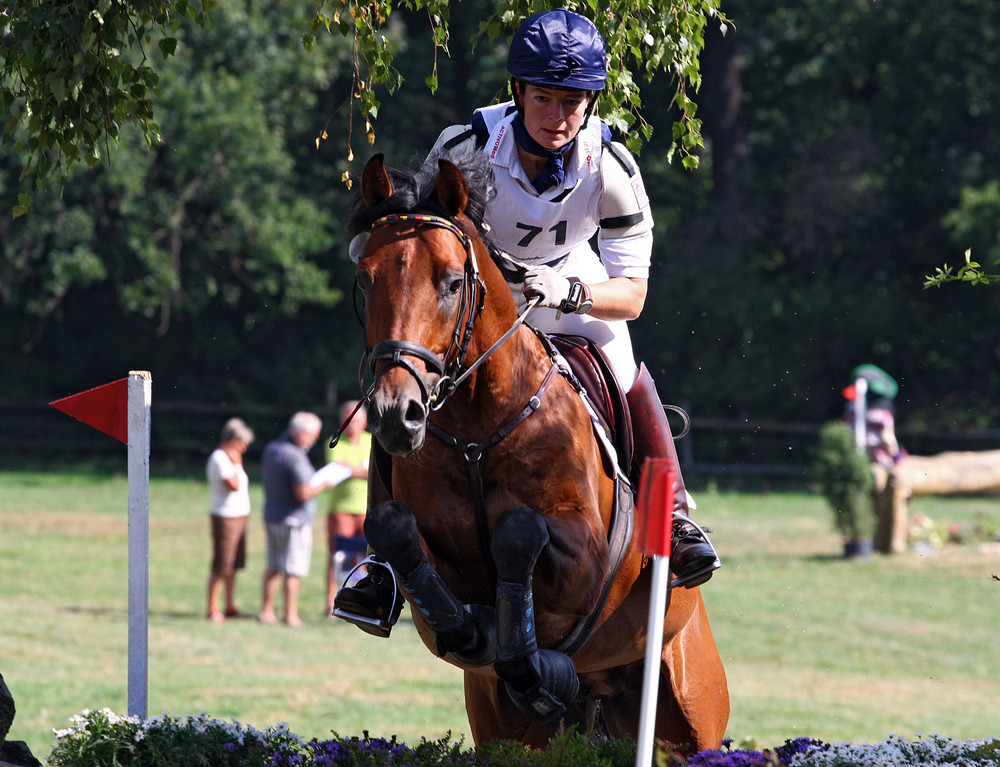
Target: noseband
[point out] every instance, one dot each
(396, 353)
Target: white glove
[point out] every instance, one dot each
(546, 283)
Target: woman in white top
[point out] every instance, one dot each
(230, 507)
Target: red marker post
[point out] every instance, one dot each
(654, 530)
(121, 409)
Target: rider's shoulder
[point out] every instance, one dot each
(478, 131)
(452, 136)
(624, 203)
(490, 116)
(616, 158)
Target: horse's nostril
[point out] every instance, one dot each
(415, 412)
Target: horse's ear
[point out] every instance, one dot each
(375, 183)
(452, 191)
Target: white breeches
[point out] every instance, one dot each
(612, 336)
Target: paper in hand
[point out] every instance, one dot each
(332, 473)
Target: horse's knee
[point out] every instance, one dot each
(518, 539)
(391, 530)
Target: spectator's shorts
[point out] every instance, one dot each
(229, 545)
(289, 549)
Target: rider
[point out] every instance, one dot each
(559, 179)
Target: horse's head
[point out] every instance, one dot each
(420, 277)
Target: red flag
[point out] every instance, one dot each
(103, 407)
(654, 523)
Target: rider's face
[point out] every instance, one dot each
(552, 116)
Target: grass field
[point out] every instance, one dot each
(813, 644)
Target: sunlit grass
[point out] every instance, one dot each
(813, 644)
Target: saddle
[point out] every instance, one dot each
(597, 382)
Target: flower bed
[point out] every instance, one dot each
(105, 739)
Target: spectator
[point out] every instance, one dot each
(348, 501)
(289, 513)
(869, 411)
(230, 508)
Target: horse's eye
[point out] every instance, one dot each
(455, 286)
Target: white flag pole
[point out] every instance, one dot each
(655, 514)
(651, 672)
(140, 385)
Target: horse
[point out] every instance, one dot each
(499, 524)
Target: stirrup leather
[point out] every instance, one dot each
(377, 626)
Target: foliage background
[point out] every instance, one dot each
(851, 147)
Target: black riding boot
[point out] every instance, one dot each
(372, 604)
(692, 557)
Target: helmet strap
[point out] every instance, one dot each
(517, 97)
(590, 109)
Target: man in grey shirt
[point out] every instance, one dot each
(289, 511)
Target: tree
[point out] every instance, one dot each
(211, 212)
(863, 127)
(75, 73)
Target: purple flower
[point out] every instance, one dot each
(798, 746)
(740, 758)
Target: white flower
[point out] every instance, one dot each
(895, 751)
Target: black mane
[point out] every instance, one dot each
(415, 190)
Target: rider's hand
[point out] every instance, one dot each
(546, 283)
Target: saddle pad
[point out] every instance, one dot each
(595, 374)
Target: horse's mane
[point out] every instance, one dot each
(414, 189)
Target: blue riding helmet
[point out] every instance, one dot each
(559, 49)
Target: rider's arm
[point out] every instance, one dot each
(626, 237)
(620, 298)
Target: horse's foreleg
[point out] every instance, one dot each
(391, 530)
(540, 682)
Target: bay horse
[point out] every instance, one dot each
(500, 523)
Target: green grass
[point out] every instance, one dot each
(813, 644)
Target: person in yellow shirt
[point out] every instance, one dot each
(348, 501)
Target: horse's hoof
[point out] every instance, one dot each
(557, 685)
(391, 531)
(518, 539)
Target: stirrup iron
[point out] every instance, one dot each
(380, 627)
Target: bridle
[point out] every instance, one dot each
(450, 367)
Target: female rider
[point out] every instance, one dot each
(559, 179)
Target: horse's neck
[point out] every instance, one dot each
(501, 387)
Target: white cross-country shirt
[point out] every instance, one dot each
(599, 194)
